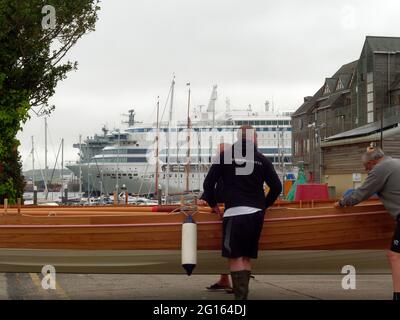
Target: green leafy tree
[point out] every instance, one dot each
(33, 43)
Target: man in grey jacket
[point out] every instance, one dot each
(384, 179)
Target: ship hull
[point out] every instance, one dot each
(106, 183)
(143, 183)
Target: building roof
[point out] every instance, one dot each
(345, 72)
(347, 68)
(383, 43)
(307, 105)
(332, 99)
(367, 129)
(346, 79)
(331, 83)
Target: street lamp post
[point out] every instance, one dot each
(317, 130)
(117, 184)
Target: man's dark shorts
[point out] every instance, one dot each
(396, 237)
(241, 235)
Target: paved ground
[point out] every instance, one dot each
(208, 262)
(128, 286)
(279, 275)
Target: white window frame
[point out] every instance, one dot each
(340, 85)
(370, 97)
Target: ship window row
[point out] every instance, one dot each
(264, 122)
(121, 159)
(274, 160)
(182, 175)
(257, 129)
(275, 150)
(113, 175)
(125, 151)
(121, 137)
(171, 175)
(220, 129)
(183, 160)
(195, 152)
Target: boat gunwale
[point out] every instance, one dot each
(267, 220)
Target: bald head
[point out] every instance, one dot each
(223, 146)
(371, 157)
(247, 132)
(373, 153)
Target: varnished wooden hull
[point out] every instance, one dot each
(285, 228)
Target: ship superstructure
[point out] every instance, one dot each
(126, 160)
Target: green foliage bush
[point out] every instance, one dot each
(31, 65)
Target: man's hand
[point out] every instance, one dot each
(337, 205)
(201, 202)
(217, 211)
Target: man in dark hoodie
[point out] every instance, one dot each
(243, 170)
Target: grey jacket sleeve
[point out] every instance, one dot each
(372, 184)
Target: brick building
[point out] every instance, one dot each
(332, 128)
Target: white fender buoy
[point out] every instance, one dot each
(189, 245)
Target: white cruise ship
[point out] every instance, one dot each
(128, 158)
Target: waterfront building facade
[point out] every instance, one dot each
(332, 128)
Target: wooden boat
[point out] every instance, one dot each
(288, 226)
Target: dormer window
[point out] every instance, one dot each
(327, 90)
(340, 85)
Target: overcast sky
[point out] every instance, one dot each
(255, 50)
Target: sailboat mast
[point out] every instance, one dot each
(168, 137)
(45, 157)
(278, 142)
(188, 141)
(33, 164)
(117, 185)
(178, 165)
(211, 108)
(62, 167)
(199, 157)
(80, 167)
(157, 145)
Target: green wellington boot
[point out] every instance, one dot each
(240, 283)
